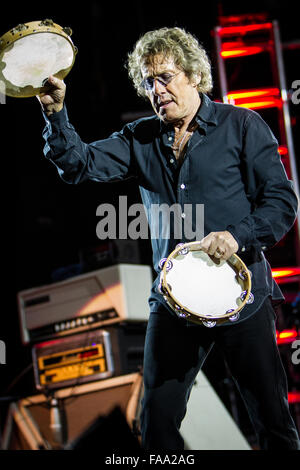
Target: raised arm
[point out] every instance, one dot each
(104, 160)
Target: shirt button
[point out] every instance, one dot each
(170, 138)
(172, 160)
(182, 186)
(183, 215)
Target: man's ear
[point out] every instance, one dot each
(196, 79)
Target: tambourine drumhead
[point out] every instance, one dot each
(200, 288)
(30, 53)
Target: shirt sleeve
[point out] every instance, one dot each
(76, 161)
(274, 202)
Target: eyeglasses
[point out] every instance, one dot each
(164, 79)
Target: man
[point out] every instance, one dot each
(195, 151)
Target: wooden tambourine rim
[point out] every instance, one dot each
(34, 27)
(194, 316)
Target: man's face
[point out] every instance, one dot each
(176, 101)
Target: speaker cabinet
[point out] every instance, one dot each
(89, 410)
(34, 423)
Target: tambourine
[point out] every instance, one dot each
(30, 53)
(202, 289)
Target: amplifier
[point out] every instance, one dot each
(85, 302)
(73, 360)
(89, 356)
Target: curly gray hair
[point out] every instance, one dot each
(187, 52)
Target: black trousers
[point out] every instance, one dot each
(173, 356)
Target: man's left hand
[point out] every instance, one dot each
(221, 245)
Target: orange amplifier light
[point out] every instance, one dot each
(75, 360)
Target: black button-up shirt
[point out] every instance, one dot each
(231, 166)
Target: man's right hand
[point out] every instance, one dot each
(52, 100)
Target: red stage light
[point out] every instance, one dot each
(243, 29)
(294, 397)
(273, 103)
(241, 51)
(285, 272)
(286, 336)
(282, 150)
(236, 95)
(286, 275)
(253, 99)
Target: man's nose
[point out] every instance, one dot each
(158, 87)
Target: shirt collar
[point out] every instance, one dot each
(207, 111)
(206, 114)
